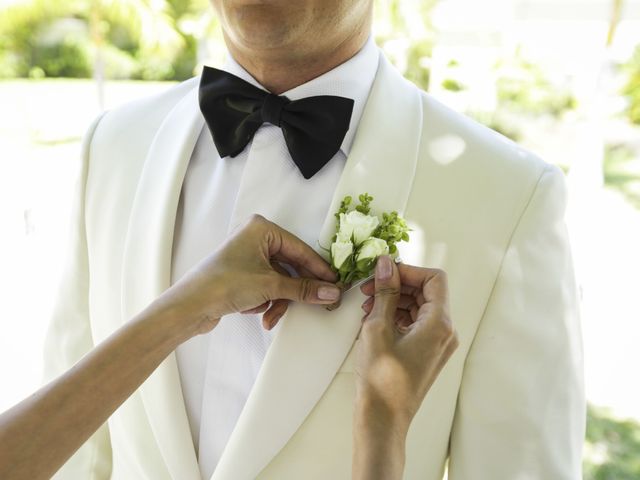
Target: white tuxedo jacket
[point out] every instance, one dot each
(509, 404)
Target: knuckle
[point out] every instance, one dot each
(441, 275)
(256, 221)
(387, 291)
(373, 326)
(451, 344)
(445, 327)
(256, 218)
(250, 223)
(277, 285)
(455, 340)
(306, 289)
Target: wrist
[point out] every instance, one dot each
(186, 311)
(374, 418)
(379, 442)
(167, 324)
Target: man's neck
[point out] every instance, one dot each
(279, 73)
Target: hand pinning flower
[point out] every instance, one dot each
(361, 238)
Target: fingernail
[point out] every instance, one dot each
(383, 268)
(328, 293)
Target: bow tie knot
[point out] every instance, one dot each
(313, 127)
(272, 108)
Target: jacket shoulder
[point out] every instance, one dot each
(478, 177)
(479, 145)
(457, 150)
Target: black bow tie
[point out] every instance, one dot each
(313, 127)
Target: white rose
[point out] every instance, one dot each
(340, 251)
(358, 225)
(372, 248)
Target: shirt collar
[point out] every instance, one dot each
(351, 79)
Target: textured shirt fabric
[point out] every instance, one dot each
(218, 370)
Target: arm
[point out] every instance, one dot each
(69, 336)
(40, 433)
(521, 407)
(407, 337)
(378, 443)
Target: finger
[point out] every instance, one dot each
(368, 288)
(413, 276)
(271, 317)
(275, 308)
(436, 288)
(293, 270)
(259, 309)
(287, 247)
(403, 320)
(278, 267)
(387, 289)
(303, 271)
(432, 317)
(367, 305)
(304, 290)
(405, 302)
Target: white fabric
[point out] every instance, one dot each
(217, 371)
(482, 208)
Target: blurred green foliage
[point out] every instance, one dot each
(632, 87)
(523, 87)
(622, 172)
(404, 31)
(452, 85)
(68, 58)
(123, 38)
(612, 447)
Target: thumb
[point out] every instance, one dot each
(387, 289)
(306, 290)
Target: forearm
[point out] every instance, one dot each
(39, 434)
(378, 444)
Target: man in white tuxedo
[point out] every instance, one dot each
(156, 195)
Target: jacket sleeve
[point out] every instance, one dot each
(69, 335)
(521, 405)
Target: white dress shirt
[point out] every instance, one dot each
(217, 370)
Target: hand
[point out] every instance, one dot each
(406, 339)
(243, 275)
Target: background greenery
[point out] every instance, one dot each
(121, 39)
(46, 41)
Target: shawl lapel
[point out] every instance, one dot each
(147, 273)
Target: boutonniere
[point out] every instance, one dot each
(361, 238)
